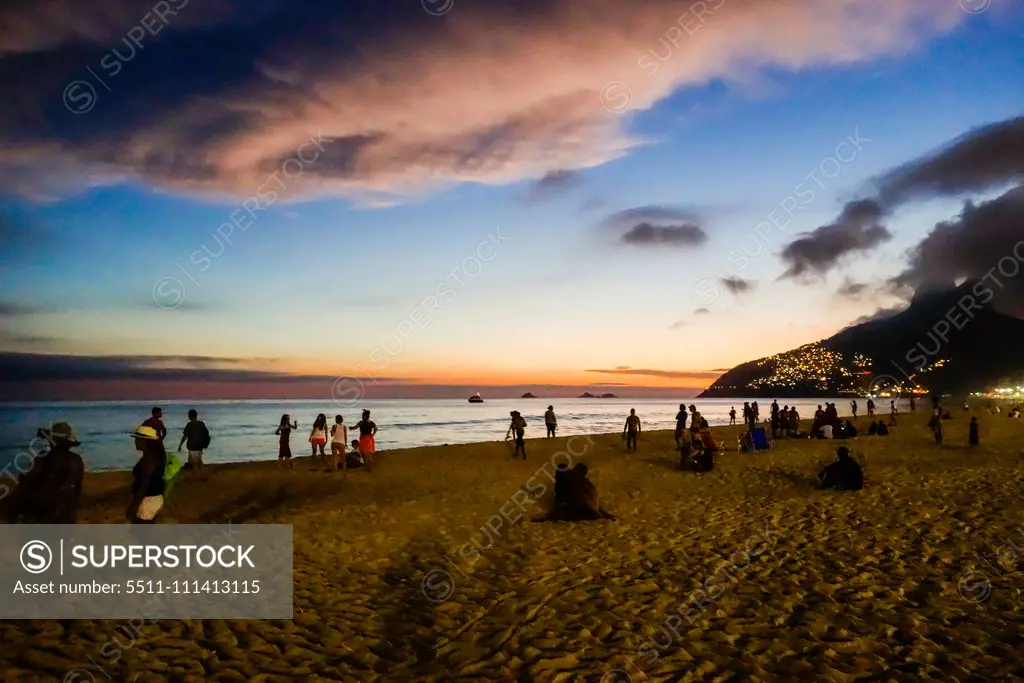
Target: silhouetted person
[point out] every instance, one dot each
(748, 415)
(696, 421)
(49, 493)
(972, 437)
(518, 426)
(844, 474)
(196, 436)
(550, 421)
(871, 408)
(155, 420)
(681, 425)
(576, 498)
(853, 407)
(732, 416)
(631, 430)
(913, 405)
(893, 412)
(147, 477)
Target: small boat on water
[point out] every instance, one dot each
(476, 398)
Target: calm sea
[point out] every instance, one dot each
(244, 430)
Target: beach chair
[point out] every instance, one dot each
(759, 435)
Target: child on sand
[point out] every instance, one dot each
(284, 430)
(318, 435)
(972, 437)
(354, 458)
(339, 437)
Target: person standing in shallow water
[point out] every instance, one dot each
(550, 421)
(631, 431)
(517, 426)
(732, 416)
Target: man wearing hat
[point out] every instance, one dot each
(550, 421)
(49, 493)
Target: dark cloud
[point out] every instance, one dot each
(686, 235)
(737, 285)
(680, 374)
(226, 90)
(851, 290)
(985, 242)
(14, 309)
(28, 367)
(989, 157)
(701, 311)
(878, 315)
(677, 325)
(984, 158)
(858, 229)
(553, 184)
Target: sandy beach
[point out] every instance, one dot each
(429, 569)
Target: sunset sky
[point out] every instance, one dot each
(474, 194)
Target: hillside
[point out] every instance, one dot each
(939, 343)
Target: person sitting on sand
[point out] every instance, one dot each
(844, 474)
(353, 459)
(339, 440)
(284, 450)
(631, 430)
(576, 498)
(318, 436)
(873, 429)
(50, 491)
(147, 477)
(883, 430)
(367, 444)
(825, 431)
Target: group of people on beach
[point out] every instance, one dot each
(363, 451)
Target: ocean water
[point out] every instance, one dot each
(244, 430)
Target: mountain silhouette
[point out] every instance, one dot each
(949, 341)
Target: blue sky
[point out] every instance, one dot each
(319, 283)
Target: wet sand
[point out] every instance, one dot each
(428, 569)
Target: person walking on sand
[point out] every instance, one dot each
(367, 444)
(972, 436)
(196, 436)
(517, 426)
(147, 477)
(318, 436)
(913, 405)
(893, 412)
(50, 491)
(631, 431)
(871, 408)
(284, 430)
(853, 407)
(155, 420)
(732, 416)
(550, 421)
(680, 425)
(339, 440)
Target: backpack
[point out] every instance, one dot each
(204, 437)
(172, 466)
